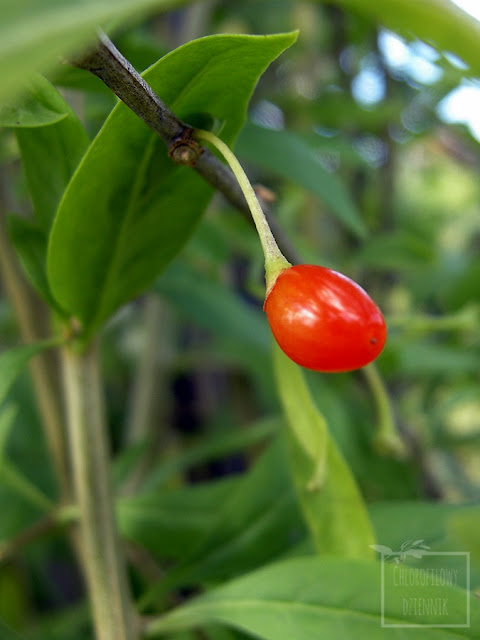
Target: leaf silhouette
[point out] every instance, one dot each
(381, 549)
(416, 553)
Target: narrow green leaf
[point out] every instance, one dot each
(185, 635)
(69, 623)
(166, 522)
(255, 523)
(213, 306)
(128, 209)
(30, 243)
(398, 521)
(50, 155)
(7, 417)
(36, 35)
(213, 447)
(289, 156)
(38, 105)
(400, 250)
(217, 632)
(422, 358)
(15, 479)
(332, 504)
(7, 633)
(463, 526)
(439, 22)
(321, 598)
(13, 361)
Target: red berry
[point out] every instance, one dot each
(323, 320)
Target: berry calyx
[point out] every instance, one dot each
(323, 320)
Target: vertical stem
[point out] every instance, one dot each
(31, 319)
(103, 563)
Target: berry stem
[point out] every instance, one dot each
(275, 261)
(387, 440)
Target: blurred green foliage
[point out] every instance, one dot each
(366, 178)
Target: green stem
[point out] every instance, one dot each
(103, 562)
(387, 441)
(32, 320)
(275, 261)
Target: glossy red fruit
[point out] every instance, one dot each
(323, 320)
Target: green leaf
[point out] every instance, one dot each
(166, 522)
(316, 598)
(462, 287)
(14, 605)
(420, 359)
(15, 479)
(186, 635)
(69, 623)
(36, 35)
(212, 447)
(289, 156)
(50, 155)
(8, 633)
(30, 243)
(398, 521)
(39, 104)
(128, 209)
(13, 361)
(332, 504)
(463, 527)
(217, 632)
(213, 306)
(255, 523)
(7, 418)
(399, 250)
(438, 22)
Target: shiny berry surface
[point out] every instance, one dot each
(323, 320)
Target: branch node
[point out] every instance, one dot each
(184, 149)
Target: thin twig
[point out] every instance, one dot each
(12, 547)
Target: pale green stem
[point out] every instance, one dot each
(387, 440)
(275, 261)
(31, 313)
(105, 571)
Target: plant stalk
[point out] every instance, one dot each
(275, 261)
(387, 440)
(103, 563)
(31, 312)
